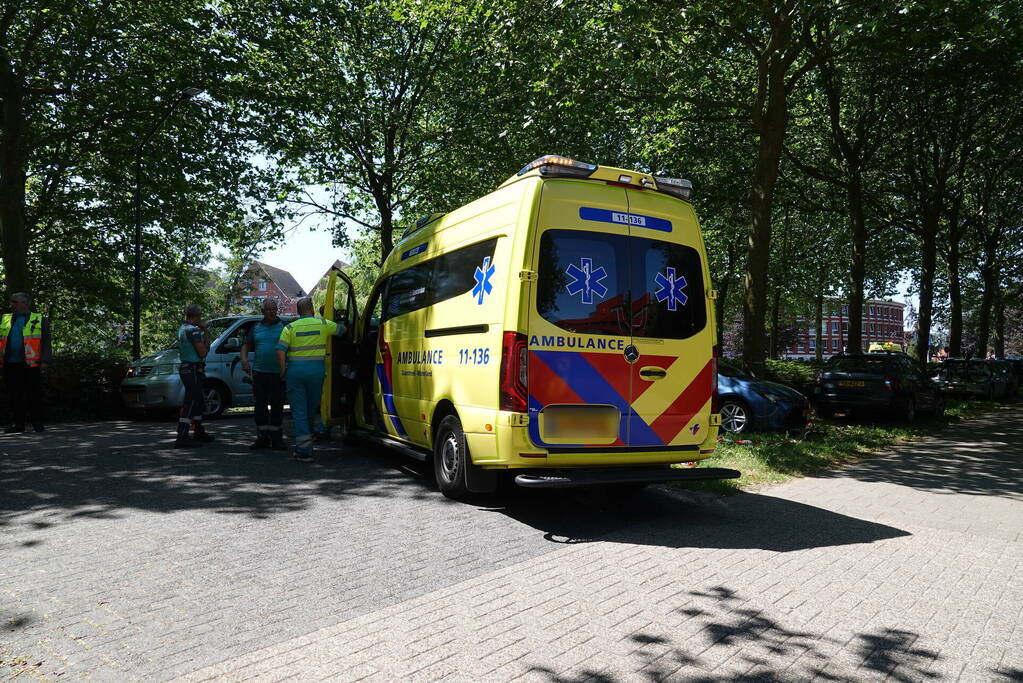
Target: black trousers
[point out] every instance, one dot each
(194, 403)
(24, 391)
(268, 392)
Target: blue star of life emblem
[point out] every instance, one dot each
(586, 280)
(482, 277)
(669, 288)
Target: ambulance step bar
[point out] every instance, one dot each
(568, 478)
(394, 444)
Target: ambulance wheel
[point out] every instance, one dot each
(450, 455)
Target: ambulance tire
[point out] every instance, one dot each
(450, 458)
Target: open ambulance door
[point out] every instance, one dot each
(338, 397)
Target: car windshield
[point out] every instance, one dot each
(215, 328)
(875, 365)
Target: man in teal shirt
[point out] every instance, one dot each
(267, 386)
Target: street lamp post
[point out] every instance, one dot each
(136, 301)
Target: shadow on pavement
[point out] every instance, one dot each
(978, 457)
(665, 517)
(80, 474)
(760, 647)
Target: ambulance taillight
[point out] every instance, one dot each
(513, 372)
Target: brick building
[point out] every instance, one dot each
(262, 282)
(882, 322)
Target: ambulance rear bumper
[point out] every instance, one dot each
(568, 478)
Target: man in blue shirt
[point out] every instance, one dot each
(192, 349)
(267, 386)
(24, 353)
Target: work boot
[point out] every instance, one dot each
(202, 436)
(277, 442)
(260, 444)
(14, 428)
(302, 457)
(186, 442)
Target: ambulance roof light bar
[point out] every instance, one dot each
(552, 165)
(676, 187)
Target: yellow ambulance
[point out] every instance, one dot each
(560, 328)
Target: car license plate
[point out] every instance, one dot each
(851, 383)
(131, 396)
(580, 422)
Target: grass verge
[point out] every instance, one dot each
(830, 444)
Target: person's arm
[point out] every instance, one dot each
(283, 344)
(245, 353)
(198, 338)
(282, 362)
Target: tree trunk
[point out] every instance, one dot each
(955, 288)
(761, 199)
(775, 305)
(928, 264)
(12, 183)
(858, 268)
(819, 321)
(999, 326)
(989, 280)
(719, 305)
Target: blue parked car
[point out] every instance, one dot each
(749, 404)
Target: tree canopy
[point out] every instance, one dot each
(833, 146)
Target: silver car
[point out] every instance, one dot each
(153, 381)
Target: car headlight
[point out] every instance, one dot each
(165, 369)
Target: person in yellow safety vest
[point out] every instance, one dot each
(301, 351)
(24, 353)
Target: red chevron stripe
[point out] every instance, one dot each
(547, 387)
(681, 411)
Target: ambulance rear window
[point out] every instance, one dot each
(605, 283)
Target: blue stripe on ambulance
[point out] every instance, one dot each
(589, 213)
(392, 411)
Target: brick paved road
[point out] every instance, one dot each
(120, 561)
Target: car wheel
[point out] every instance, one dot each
(735, 417)
(909, 410)
(215, 398)
(450, 458)
(826, 412)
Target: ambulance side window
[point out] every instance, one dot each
(455, 272)
(439, 279)
(407, 291)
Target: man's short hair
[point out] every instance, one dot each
(193, 311)
(304, 304)
(23, 295)
(269, 302)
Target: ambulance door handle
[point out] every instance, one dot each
(652, 372)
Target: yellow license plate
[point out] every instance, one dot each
(850, 383)
(580, 422)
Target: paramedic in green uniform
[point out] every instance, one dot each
(192, 349)
(300, 355)
(267, 387)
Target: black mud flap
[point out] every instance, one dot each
(479, 480)
(568, 478)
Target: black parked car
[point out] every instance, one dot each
(889, 382)
(988, 379)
